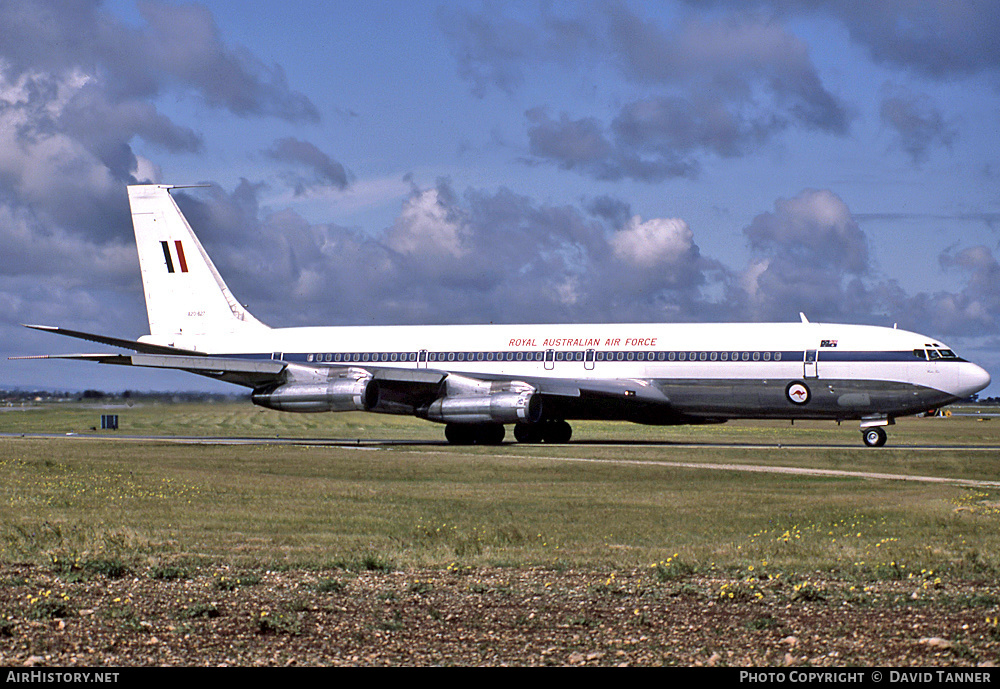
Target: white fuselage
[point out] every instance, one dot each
(724, 370)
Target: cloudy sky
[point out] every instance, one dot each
(467, 162)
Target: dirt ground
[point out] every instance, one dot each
(497, 616)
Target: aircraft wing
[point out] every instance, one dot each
(247, 372)
(635, 389)
(400, 390)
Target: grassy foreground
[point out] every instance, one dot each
(101, 503)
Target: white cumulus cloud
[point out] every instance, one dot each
(653, 242)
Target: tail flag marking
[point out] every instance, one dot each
(180, 256)
(181, 261)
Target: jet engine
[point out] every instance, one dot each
(335, 395)
(499, 407)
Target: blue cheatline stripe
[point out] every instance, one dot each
(609, 357)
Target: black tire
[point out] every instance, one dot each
(490, 434)
(458, 433)
(558, 432)
(528, 432)
(474, 434)
(874, 437)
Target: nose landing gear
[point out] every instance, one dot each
(874, 437)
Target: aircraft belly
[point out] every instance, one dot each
(811, 398)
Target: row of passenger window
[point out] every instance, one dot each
(689, 356)
(548, 356)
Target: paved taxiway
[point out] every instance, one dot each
(426, 447)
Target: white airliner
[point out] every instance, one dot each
(476, 379)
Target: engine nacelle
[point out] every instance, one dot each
(335, 395)
(499, 407)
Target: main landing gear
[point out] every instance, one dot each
(474, 433)
(550, 431)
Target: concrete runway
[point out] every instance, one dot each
(441, 447)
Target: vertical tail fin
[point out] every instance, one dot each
(185, 295)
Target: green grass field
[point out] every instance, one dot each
(151, 503)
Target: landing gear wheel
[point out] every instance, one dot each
(490, 434)
(557, 432)
(874, 437)
(458, 433)
(528, 432)
(474, 434)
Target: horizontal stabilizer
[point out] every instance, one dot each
(114, 341)
(120, 359)
(249, 373)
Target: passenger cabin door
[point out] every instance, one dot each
(810, 364)
(550, 359)
(422, 358)
(588, 360)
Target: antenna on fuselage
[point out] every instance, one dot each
(803, 317)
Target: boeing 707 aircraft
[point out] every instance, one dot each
(477, 379)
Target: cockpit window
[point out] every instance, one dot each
(933, 353)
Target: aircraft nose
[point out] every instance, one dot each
(972, 379)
